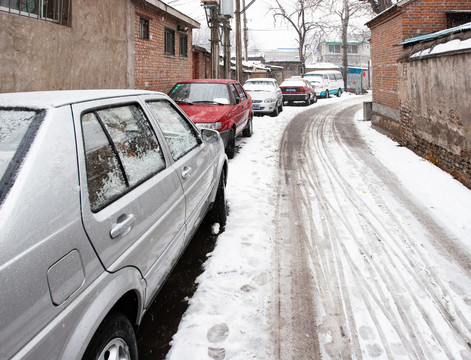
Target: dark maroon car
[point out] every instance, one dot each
(295, 89)
(217, 104)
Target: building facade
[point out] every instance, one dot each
(85, 44)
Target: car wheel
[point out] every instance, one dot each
(327, 95)
(308, 101)
(275, 112)
(114, 340)
(230, 147)
(218, 213)
(281, 107)
(248, 131)
(315, 99)
(339, 94)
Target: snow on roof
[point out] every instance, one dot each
(450, 46)
(44, 99)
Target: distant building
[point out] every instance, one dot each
(358, 50)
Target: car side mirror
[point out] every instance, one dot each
(210, 136)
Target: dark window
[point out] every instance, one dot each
(169, 41)
(183, 45)
(144, 29)
(458, 18)
(352, 49)
(121, 151)
(334, 49)
(235, 93)
(57, 11)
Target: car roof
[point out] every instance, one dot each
(44, 99)
(297, 82)
(212, 81)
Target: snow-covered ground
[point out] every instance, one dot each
(229, 315)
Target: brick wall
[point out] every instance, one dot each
(153, 69)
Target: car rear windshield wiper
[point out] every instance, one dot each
(184, 102)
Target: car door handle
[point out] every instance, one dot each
(123, 226)
(186, 172)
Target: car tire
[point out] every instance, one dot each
(115, 335)
(230, 147)
(275, 112)
(339, 93)
(315, 99)
(327, 95)
(248, 131)
(281, 107)
(218, 213)
(308, 101)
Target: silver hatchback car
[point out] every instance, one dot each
(100, 193)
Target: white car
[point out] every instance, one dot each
(266, 96)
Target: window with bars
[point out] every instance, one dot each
(334, 49)
(169, 42)
(144, 29)
(56, 11)
(183, 45)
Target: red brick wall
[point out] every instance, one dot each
(153, 69)
(384, 55)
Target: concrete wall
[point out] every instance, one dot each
(435, 111)
(91, 53)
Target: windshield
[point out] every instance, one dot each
(200, 93)
(16, 135)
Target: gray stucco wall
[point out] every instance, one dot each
(91, 53)
(435, 110)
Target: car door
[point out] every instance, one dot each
(243, 107)
(133, 205)
(193, 160)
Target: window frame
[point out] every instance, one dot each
(144, 28)
(128, 186)
(169, 42)
(61, 11)
(183, 44)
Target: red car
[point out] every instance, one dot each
(217, 104)
(298, 90)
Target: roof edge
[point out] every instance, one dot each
(174, 12)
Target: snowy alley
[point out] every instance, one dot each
(339, 245)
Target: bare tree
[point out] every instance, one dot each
(378, 6)
(346, 10)
(299, 14)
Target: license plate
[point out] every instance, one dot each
(290, 90)
(255, 106)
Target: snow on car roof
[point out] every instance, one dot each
(293, 83)
(43, 99)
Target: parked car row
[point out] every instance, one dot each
(221, 105)
(100, 193)
(266, 95)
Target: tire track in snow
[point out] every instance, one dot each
(350, 241)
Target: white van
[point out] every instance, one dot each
(326, 82)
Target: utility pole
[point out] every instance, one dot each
(214, 42)
(246, 38)
(239, 75)
(226, 28)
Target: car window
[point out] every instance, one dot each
(242, 95)
(121, 151)
(331, 76)
(181, 137)
(235, 93)
(17, 130)
(200, 93)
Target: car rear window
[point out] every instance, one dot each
(17, 130)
